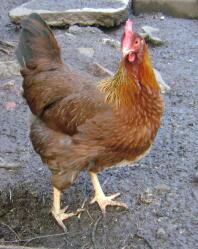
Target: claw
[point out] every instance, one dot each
(104, 201)
(61, 216)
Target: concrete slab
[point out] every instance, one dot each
(177, 8)
(61, 13)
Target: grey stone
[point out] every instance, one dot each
(98, 70)
(149, 30)
(61, 13)
(149, 37)
(177, 8)
(9, 68)
(163, 86)
(154, 40)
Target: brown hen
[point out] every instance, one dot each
(78, 126)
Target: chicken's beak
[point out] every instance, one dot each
(130, 54)
(126, 51)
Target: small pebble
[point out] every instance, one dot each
(34, 194)
(161, 234)
(111, 42)
(146, 197)
(163, 188)
(89, 52)
(10, 105)
(9, 83)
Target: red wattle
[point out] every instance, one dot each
(131, 57)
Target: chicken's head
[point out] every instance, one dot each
(132, 44)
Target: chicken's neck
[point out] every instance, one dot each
(130, 82)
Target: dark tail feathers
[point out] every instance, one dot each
(37, 43)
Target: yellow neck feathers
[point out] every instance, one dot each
(127, 82)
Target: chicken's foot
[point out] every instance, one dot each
(58, 213)
(102, 200)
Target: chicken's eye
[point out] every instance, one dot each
(137, 41)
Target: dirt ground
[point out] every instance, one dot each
(159, 190)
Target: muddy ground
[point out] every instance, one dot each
(159, 190)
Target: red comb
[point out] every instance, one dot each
(127, 36)
(129, 26)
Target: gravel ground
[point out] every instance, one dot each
(159, 190)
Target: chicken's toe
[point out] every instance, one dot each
(104, 201)
(61, 215)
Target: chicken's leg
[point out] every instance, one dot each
(100, 197)
(58, 213)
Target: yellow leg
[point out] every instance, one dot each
(58, 213)
(56, 199)
(102, 200)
